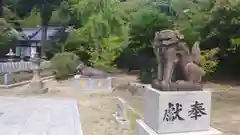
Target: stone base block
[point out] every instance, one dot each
(93, 84)
(123, 123)
(177, 111)
(142, 128)
(41, 91)
(37, 87)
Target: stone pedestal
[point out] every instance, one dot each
(37, 87)
(93, 84)
(120, 116)
(176, 112)
(141, 128)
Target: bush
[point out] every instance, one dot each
(209, 62)
(64, 64)
(148, 73)
(143, 25)
(33, 20)
(128, 59)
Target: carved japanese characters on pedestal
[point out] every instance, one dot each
(174, 56)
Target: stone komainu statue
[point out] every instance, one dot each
(90, 72)
(171, 50)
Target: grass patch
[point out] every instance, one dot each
(132, 117)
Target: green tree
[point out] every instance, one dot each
(46, 8)
(134, 5)
(144, 23)
(63, 14)
(5, 34)
(8, 36)
(103, 28)
(33, 20)
(222, 31)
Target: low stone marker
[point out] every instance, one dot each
(21, 116)
(120, 116)
(140, 88)
(8, 78)
(93, 84)
(176, 113)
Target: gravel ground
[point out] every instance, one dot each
(95, 109)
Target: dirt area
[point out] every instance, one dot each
(95, 109)
(225, 106)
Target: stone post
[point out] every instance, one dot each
(120, 116)
(8, 77)
(37, 85)
(21, 57)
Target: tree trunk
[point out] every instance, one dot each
(1, 9)
(43, 41)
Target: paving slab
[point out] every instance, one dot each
(33, 116)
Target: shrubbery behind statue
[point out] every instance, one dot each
(171, 50)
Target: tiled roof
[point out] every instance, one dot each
(30, 31)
